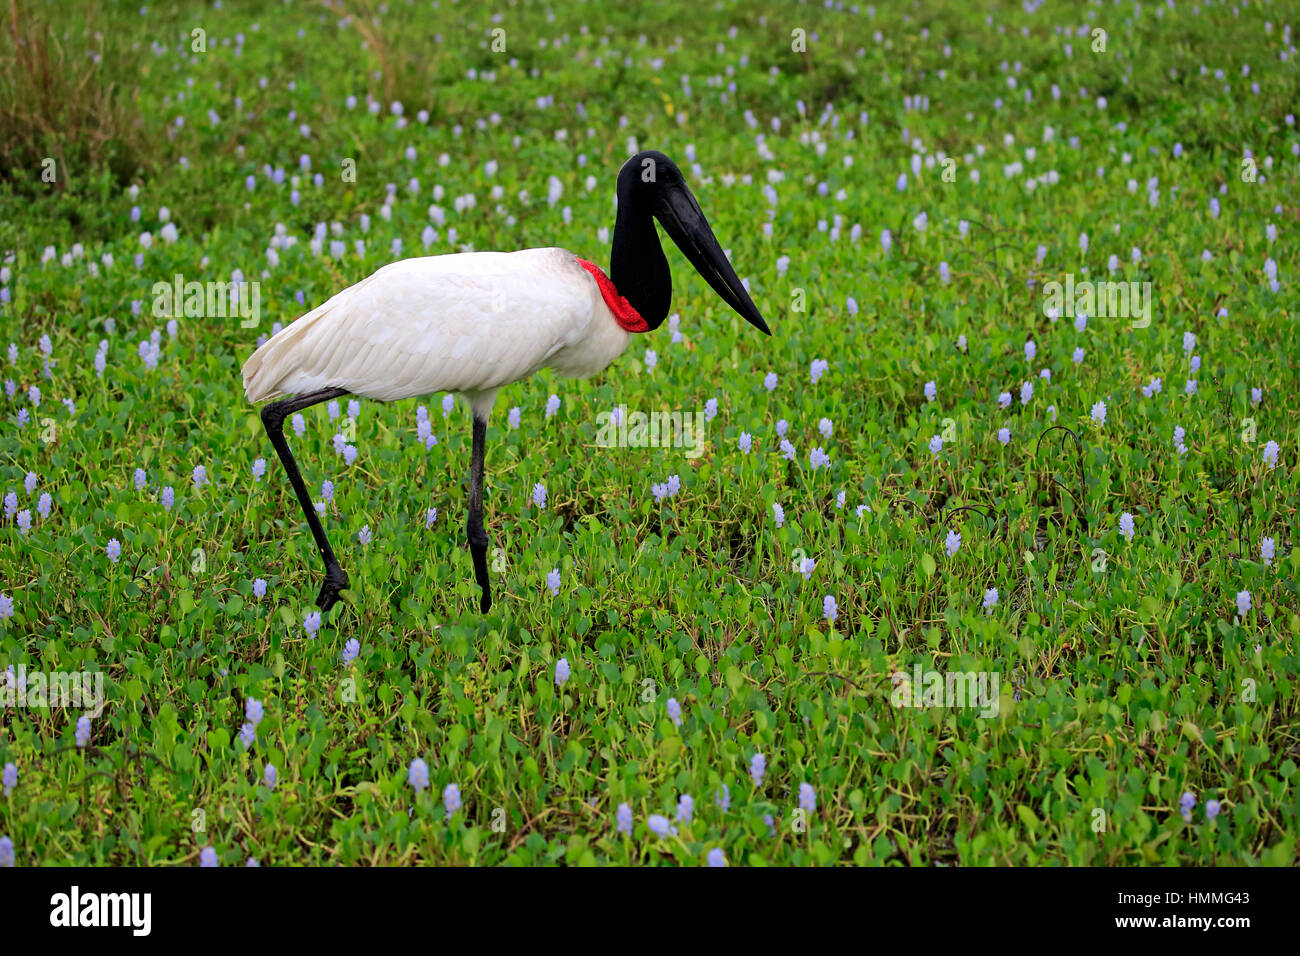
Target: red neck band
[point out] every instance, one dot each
(624, 314)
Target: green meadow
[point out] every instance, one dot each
(955, 568)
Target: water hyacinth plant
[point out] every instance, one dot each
(931, 463)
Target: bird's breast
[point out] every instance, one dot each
(603, 342)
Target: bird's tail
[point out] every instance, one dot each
(279, 357)
(259, 382)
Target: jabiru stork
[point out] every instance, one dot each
(473, 322)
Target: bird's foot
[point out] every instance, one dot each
(336, 580)
(485, 602)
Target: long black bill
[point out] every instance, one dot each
(681, 217)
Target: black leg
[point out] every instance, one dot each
(478, 539)
(273, 417)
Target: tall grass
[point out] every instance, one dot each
(57, 102)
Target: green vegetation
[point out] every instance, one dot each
(1127, 675)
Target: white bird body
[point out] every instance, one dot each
(467, 322)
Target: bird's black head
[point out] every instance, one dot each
(650, 186)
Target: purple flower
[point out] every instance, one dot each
(660, 825)
(553, 581)
(1243, 602)
(351, 650)
(930, 391)
(757, 767)
(769, 381)
(723, 798)
(1099, 413)
(746, 442)
(259, 468)
(82, 734)
(1270, 454)
(830, 610)
(952, 542)
(990, 600)
(674, 711)
(513, 418)
(1126, 525)
(270, 775)
(936, 445)
(685, 808)
(418, 774)
(552, 405)
(1211, 809)
(430, 517)
(168, 497)
(716, 857)
(311, 623)
(6, 607)
(29, 482)
(6, 852)
(10, 779)
(625, 819)
(364, 534)
(819, 459)
(807, 798)
(1188, 800)
(259, 588)
(1004, 435)
(209, 857)
(779, 514)
(818, 369)
(200, 476)
(561, 672)
(451, 799)
(141, 479)
(114, 550)
(1266, 551)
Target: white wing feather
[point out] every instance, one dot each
(467, 322)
